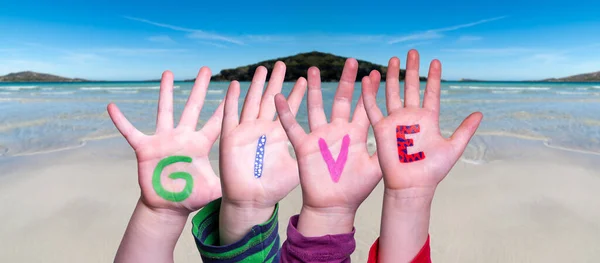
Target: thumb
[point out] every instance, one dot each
(293, 130)
(465, 132)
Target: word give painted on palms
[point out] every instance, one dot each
(335, 166)
(166, 194)
(403, 143)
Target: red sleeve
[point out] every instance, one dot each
(424, 255)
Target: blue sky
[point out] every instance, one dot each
(118, 40)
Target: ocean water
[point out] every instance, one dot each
(48, 117)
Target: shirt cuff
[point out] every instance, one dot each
(261, 244)
(424, 255)
(328, 248)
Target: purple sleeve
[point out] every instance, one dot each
(329, 248)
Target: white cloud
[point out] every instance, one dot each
(161, 39)
(354, 38)
(331, 39)
(435, 33)
(415, 44)
(83, 58)
(491, 51)
(418, 36)
(212, 44)
(452, 28)
(269, 38)
(134, 51)
(210, 36)
(541, 57)
(548, 58)
(193, 33)
(177, 28)
(468, 39)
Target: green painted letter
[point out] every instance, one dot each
(189, 181)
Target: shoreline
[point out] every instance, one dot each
(227, 81)
(542, 142)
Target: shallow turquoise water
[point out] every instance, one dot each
(44, 117)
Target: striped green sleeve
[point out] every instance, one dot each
(261, 244)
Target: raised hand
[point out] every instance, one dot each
(336, 171)
(174, 172)
(257, 169)
(412, 151)
(173, 168)
(413, 154)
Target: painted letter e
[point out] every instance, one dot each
(404, 143)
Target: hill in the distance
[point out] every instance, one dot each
(297, 65)
(588, 77)
(30, 76)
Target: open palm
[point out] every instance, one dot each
(174, 171)
(353, 181)
(426, 161)
(248, 181)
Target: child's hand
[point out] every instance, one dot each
(413, 155)
(174, 172)
(336, 171)
(412, 152)
(255, 163)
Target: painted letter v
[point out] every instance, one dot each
(335, 167)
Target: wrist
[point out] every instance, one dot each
(236, 220)
(246, 213)
(404, 223)
(150, 232)
(409, 199)
(163, 213)
(315, 222)
(160, 218)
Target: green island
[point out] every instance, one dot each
(587, 77)
(297, 65)
(30, 76)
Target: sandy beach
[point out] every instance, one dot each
(525, 190)
(73, 206)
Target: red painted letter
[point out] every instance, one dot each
(404, 143)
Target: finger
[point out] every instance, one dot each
(411, 81)
(193, 106)
(164, 118)
(465, 132)
(212, 127)
(316, 113)
(369, 98)
(342, 101)
(296, 95)
(267, 104)
(131, 134)
(230, 110)
(431, 99)
(392, 86)
(360, 115)
(252, 102)
(293, 130)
